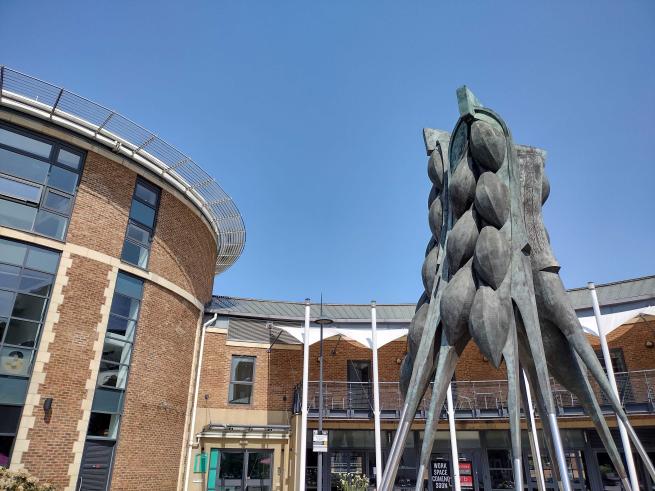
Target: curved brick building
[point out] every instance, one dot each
(109, 241)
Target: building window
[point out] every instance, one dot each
(116, 356)
(141, 224)
(38, 182)
(27, 274)
(241, 379)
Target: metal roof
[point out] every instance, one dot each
(620, 292)
(46, 101)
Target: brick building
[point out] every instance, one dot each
(247, 425)
(109, 240)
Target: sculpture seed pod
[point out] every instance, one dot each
(492, 257)
(431, 244)
(435, 168)
(435, 218)
(461, 242)
(406, 368)
(486, 324)
(416, 328)
(492, 199)
(456, 303)
(434, 194)
(462, 187)
(429, 269)
(487, 145)
(545, 188)
(425, 298)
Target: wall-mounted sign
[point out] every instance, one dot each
(440, 474)
(466, 474)
(320, 441)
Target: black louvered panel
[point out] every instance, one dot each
(96, 463)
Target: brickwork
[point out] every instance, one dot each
(53, 436)
(632, 339)
(183, 250)
(152, 428)
(102, 205)
(276, 375)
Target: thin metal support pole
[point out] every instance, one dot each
(379, 466)
(453, 437)
(625, 440)
(319, 473)
(302, 468)
(534, 437)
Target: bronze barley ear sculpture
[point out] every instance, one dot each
(490, 275)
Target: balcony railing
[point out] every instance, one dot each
(485, 399)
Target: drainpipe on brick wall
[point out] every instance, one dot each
(196, 388)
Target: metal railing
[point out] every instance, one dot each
(484, 399)
(46, 101)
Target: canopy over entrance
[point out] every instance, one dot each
(362, 335)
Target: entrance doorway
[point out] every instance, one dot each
(359, 385)
(239, 470)
(349, 461)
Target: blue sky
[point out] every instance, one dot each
(309, 114)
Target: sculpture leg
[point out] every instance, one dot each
(418, 385)
(510, 353)
(527, 320)
(552, 299)
(448, 356)
(567, 369)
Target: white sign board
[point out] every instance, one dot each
(320, 441)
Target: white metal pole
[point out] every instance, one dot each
(376, 399)
(192, 427)
(305, 387)
(627, 449)
(536, 451)
(453, 438)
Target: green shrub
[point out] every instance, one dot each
(349, 481)
(21, 480)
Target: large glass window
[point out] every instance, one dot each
(38, 181)
(116, 357)
(27, 274)
(241, 379)
(141, 225)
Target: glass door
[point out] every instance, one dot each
(359, 385)
(346, 462)
(238, 470)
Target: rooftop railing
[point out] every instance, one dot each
(46, 101)
(485, 399)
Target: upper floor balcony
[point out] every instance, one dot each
(484, 399)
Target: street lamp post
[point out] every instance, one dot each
(321, 321)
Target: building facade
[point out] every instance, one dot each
(109, 243)
(248, 416)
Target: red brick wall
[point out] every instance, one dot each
(632, 339)
(51, 440)
(276, 375)
(102, 205)
(152, 428)
(183, 250)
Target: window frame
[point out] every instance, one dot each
(251, 384)
(53, 161)
(136, 223)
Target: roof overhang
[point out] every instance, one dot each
(43, 100)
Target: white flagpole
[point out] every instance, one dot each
(376, 399)
(453, 438)
(627, 449)
(305, 388)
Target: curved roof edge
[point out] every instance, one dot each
(624, 292)
(46, 101)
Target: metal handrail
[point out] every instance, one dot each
(44, 100)
(474, 398)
